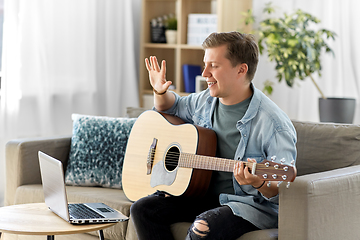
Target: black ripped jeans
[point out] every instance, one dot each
(153, 215)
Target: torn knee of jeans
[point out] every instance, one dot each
(200, 228)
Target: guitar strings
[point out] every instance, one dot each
(173, 158)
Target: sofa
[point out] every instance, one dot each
(322, 203)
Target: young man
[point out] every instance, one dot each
(249, 127)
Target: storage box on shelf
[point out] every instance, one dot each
(199, 27)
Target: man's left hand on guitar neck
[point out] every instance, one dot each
(243, 176)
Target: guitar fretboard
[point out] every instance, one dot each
(188, 160)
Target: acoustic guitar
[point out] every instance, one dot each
(164, 153)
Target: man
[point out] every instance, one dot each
(249, 127)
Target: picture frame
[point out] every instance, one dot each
(200, 84)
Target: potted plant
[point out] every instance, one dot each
(296, 48)
(171, 30)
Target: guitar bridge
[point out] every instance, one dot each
(150, 158)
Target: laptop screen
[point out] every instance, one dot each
(52, 176)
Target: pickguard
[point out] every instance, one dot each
(161, 176)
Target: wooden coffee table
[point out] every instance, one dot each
(37, 219)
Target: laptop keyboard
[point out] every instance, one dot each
(80, 211)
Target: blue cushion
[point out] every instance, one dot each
(97, 150)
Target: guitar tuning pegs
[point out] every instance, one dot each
(278, 184)
(293, 162)
(273, 158)
(268, 184)
(288, 185)
(282, 160)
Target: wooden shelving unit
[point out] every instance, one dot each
(228, 12)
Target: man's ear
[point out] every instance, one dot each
(243, 68)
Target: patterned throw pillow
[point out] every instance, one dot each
(97, 150)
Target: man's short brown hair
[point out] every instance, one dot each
(242, 48)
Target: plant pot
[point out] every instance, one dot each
(337, 110)
(171, 36)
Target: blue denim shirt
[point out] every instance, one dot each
(265, 130)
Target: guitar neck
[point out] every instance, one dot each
(266, 170)
(188, 160)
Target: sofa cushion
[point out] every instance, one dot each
(97, 150)
(326, 146)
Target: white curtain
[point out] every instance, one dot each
(62, 57)
(340, 74)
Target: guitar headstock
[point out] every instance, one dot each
(273, 171)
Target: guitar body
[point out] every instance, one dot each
(158, 137)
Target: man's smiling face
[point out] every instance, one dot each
(220, 75)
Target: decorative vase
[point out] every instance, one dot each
(171, 36)
(337, 110)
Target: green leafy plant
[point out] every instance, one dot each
(293, 45)
(171, 23)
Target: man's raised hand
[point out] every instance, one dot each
(157, 75)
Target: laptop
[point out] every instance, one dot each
(52, 176)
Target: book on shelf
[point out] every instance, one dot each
(189, 73)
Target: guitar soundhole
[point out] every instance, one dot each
(172, 158)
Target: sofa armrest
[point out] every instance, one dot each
(322, 205)
(22, 164)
